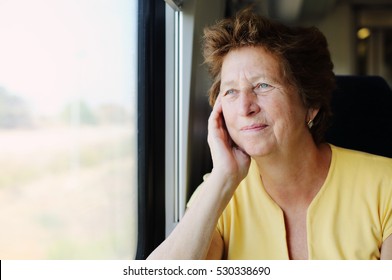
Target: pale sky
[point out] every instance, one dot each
(56, 51)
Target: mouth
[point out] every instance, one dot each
(254, 127)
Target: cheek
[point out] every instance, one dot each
(289, 120)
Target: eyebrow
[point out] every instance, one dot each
(231, 83)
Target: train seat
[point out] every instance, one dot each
(362, 115)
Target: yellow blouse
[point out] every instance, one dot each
(349, 218)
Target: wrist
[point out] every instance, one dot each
(225, 181)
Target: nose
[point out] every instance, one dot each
(248, 103)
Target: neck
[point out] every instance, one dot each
(296, 176)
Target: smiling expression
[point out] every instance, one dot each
(262, 111)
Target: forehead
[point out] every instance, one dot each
(252, 63)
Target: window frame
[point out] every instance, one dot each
(151, 126)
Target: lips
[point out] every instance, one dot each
(254, 127)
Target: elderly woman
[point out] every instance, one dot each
(276, 190)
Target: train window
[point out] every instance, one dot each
(374, 37)
(68, 78)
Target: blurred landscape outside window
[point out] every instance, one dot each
(68, 129)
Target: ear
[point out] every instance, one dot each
(310, 115)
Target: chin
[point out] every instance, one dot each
(257, 151)
(257, 146)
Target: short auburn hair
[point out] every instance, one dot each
(302, 51)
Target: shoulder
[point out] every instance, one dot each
(360, 174)
(348, 159)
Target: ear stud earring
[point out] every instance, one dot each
(310, 124)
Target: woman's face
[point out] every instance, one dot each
(263, 112)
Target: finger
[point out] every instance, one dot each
(215, 119)
(218, 98)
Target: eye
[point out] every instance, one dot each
(230, 91)
(262, 88)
